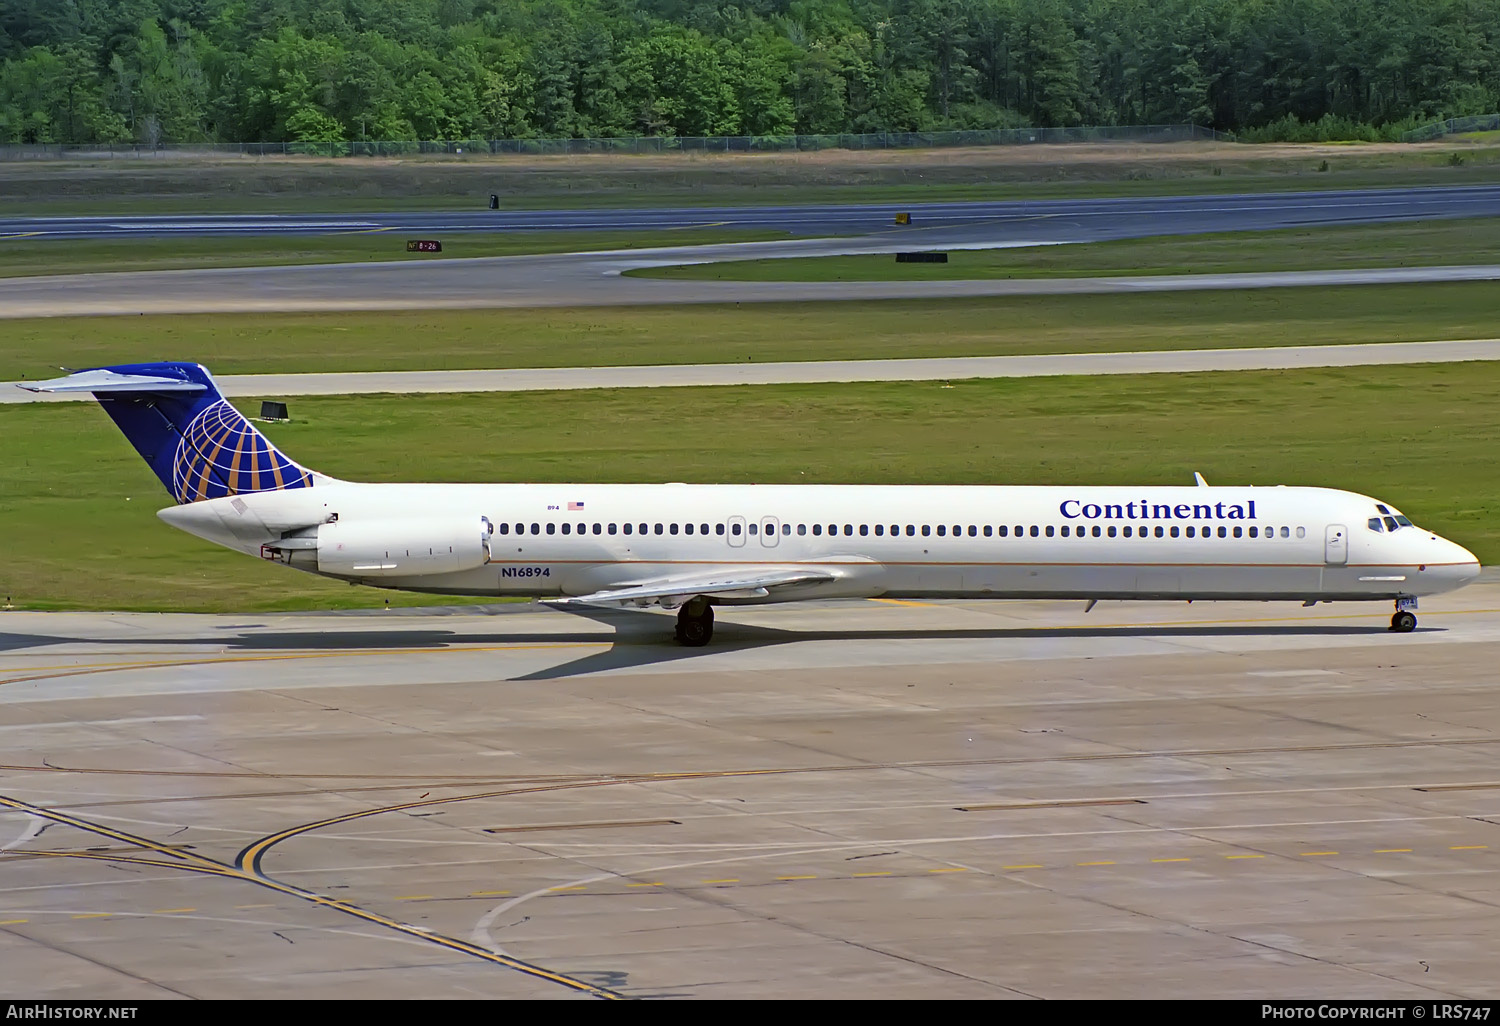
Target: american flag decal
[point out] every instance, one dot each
(575, 505)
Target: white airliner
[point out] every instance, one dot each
(693, 547)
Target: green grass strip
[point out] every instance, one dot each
(80, 530)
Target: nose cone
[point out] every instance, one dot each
(1455, 564)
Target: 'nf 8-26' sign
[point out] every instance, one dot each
(423, 246)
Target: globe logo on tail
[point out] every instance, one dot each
(220, 453)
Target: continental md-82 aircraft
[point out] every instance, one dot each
(692, 547)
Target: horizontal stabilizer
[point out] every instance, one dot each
(748, 583)
(111, 381)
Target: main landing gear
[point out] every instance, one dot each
(1403, 620)
(695, 623)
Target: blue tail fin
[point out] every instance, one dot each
(196, 442)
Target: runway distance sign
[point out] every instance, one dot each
(423, 246)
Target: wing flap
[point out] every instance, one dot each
(723, 584)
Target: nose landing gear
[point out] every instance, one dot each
(1404, 621)
(695, 623)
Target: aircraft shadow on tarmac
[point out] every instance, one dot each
(644, 639)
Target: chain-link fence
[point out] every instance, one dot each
(1453, 126)
(627, 145)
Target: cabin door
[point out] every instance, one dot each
(1336, 545)
(736, 535)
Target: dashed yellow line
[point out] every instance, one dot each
(13, 922)
(577, 887)
(658, 883)
(1310, 854)
(884, 873)
(487, 894)
(1467, 847)
(171, 911)
(796, 878)
(728, 881)
(1031, 866)
(905, 602)
(1094, 863)
(1244, 856)
(253, 906)
(1172, 860)
(414, 897)
(93, 915)
(950, 869)
(1390, 851)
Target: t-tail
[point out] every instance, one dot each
(198, 444)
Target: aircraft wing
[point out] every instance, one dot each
(751, 582)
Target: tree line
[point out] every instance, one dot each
(323, 70)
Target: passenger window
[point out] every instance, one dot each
(703, 528)
(942, 530)
(973, 531)
(801, 528)
(1064, 530)
(1125, 530)
(848, 530)
(611, 528)
(734, 529)
(629, 528)
(879, 530)
(687, 528)
(1096, 530)
(551, 528)
(505, 528)
(643, 529)
(719, 529)
(1286, 532)
(1049, 530)
(1035, 531)
(1223, 532)
(988, 530)
(864, 529)
(1253, 531)
(958, 530)
(751, 528)
(1238, 531)
(1301, 532)
(536, 528)
(1002, 531)
(658, 529)
(817, 529)
(786, 528)
(1160, 531)
(1174, 530)
(598, 528)
(1190, 532)
(926, 530)
(671, 529)
(1111, 531)
(911, 529)
(567, 528)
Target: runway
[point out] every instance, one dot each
(1058, 219)
(837, 800)
(595, 279)
(1176, 361)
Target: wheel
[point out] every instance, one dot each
(695, 631)
(1404, 622)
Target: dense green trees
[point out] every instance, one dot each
(252, 70)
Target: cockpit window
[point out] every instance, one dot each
(1375, 524)
(1390, 524)
(1403, 521)
(1381, 507)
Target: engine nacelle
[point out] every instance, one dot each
(403, 548)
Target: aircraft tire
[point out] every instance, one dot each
(695, 631)
(1404, 622)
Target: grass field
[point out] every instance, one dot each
(21, 256)
(170, 184)
(1409, 244)
(434, 340)
(80, 531)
